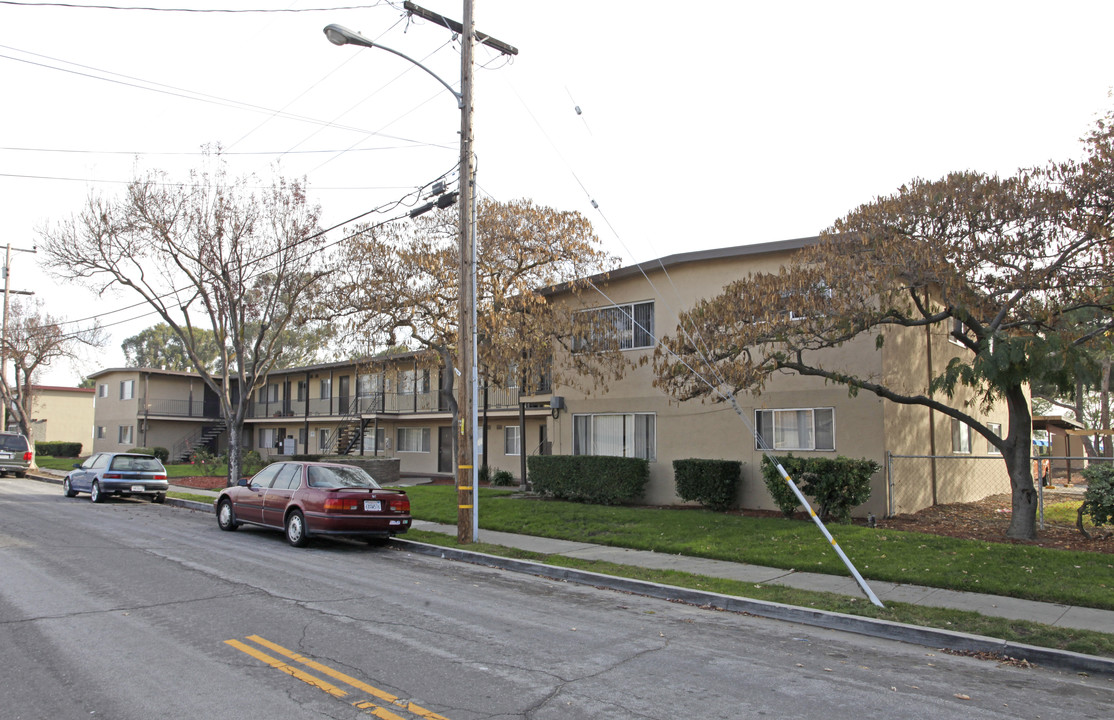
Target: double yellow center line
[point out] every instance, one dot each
(364, 704)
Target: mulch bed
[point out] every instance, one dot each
(987, 520)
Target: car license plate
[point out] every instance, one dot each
(5, 456)
(372, 506)
(138, 488)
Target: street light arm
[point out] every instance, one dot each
(340, 35)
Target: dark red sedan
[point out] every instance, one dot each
(308, 498)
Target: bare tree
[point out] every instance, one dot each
(211, 254)
(34, 340)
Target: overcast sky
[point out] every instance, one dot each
(701, 124)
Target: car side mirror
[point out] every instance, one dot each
(77, 466)
(242, 482)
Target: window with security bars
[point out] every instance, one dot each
(629, 327)
(796, 428)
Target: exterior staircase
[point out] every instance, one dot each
(199, 438)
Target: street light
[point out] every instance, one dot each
(467, 476)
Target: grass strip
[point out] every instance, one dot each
(1013, 570)
(1021, 631)
(208, 500)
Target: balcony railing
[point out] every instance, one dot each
(170, 407)
(388, 402)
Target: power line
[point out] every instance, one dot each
(76, 6)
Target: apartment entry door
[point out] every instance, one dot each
(445, 449)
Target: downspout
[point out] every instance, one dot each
(931, 412)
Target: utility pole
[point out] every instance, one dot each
(467, 473)
(4, 332)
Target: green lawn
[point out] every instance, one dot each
(172, 471)
(1022, 571)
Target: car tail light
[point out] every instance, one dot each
(113, 476)
(27, 456)
(339, 504)
(402, 506)
(160, 477)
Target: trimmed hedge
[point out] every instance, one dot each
(595, 479)
(712, 483)
(55, 448)
(836, 484)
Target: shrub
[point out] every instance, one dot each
(1098, 501)
(601, 480)
(712, 483)
(250, 463)
(836, 484)
(141, 450)
(206, 463)
(161, 453)
(502, 478)
(484, 474)
(56, 448)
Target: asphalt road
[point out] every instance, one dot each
(132, 610)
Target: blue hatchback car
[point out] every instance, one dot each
(123, 474)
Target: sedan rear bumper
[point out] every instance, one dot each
(134, 486)
(357, 526)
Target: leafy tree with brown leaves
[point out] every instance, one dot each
(34, 339)
(399, 284)
(1002, 265)
(216, 259)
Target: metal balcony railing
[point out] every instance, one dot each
(170, 407)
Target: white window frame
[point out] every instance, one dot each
(125, 434)
(413, 439)
(629, 434)
(102, 431)
(102, 390)
(995, 428)
(628, 335)
(772, 425)
(325, 389)
(961, 437)
(127, 389)
(512, 440)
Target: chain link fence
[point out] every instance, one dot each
(915, 482)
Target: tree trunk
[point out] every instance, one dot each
(1104, 409)
(235, 454)
(1018, 455)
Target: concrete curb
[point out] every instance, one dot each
(929, 637)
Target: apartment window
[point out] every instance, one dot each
(326, 388)
(102, 431)
(369, 384)
(512, 440)
(268, 393)
(629, 326)
(302, 391)
(271, 437)
(413, 382)
(413, 439)
(324, 439)
(102, 390)
(623, 435)
(127, 389)
(303, 437)
(796, 428)
(126, 435)
(961, 437)
(995, 428)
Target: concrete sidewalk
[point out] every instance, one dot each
(991, 605)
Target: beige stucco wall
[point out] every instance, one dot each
(63, 415)
(111, 413)
(865, 425)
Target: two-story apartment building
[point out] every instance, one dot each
(386, 407)
(390, 406)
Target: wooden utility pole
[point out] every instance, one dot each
(466, 475)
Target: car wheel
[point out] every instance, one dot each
(159, 498)
(67, 489)
(226, 516)
(95, 493)
(296, 529)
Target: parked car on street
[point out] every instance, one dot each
(15, 454)
(124, 474)
(305, 499)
